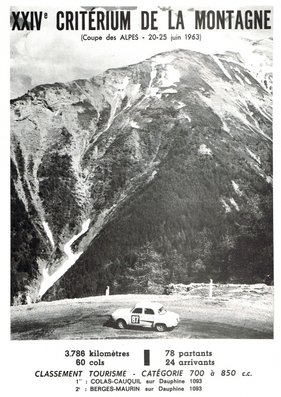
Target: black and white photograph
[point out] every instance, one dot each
(141, 195)
(143, 253)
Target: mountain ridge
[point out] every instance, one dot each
(86, 149)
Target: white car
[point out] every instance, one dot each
(146, 314)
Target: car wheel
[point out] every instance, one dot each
(121, 324)
(160, 327)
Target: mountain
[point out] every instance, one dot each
(153, 173)
(258, 58)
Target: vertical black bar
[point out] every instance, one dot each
(146, 357)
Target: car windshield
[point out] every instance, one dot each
(162, 310)
(137, 310)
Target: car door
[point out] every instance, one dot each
(147, 317)
(136, 316)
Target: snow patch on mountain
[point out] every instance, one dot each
(235, 205)
(153, 75)
(163, 59)
(269, 179)
(169, 91)
(220, 65)
(168, 74)
(179, 105)
(123, 85)
(170, 77)
(239, 79)
(137, 145)
(163, 75)
(257, 55)
(49, 233)
(254, 156)
(225, 127)
(225, 205)
(247, 80)
(49, 279)
(152, 176)
(264, 113)
(134, 124)
(236, 188)
(203, 149)
(67, 246)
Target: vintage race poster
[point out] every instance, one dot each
(141, 182)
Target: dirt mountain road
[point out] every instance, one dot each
(246, 317)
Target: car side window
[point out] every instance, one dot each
(138, 310)
(148, 311)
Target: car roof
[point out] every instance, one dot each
(147, 304)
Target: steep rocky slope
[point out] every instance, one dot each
(153, 173)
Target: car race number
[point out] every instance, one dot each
(135, 319)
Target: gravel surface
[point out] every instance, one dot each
(234, 311)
